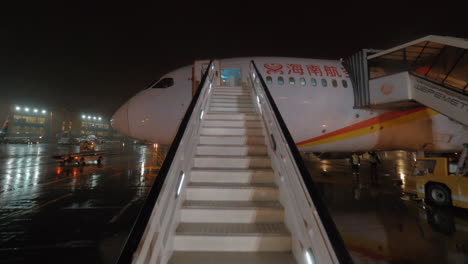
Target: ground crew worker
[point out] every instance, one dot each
(355, 163)
(373, 161)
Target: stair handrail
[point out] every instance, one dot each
(327, 222)
(138, 229)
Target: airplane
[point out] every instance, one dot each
(315, 99)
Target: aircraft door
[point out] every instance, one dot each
(198, 69)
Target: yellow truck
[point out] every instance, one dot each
(440, 181)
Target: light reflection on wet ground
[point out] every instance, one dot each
(78, 214)
(380, 227)
(69, 214)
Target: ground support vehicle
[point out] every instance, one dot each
(440, 180)
(81, 158)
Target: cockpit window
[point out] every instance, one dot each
(164, 83)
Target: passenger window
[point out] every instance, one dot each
(345, 83)
(269, 80)
(164, 83)
(303, 82)
(334, 83)
(324, 83)
(280, 80)
(292, 81)
(313, 82)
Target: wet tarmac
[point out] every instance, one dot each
(378, 225)
(69, 214)
(74, 214)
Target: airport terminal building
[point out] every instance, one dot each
(44, 124)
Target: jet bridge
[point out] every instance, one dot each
(432, 71)
(233, 188)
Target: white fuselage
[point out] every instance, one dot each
(320, 118)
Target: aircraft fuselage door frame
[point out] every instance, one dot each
(199, 67)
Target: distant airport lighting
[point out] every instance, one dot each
(99, 118)
(35, 110)
(26, 109)
(83, 116)
(94, 118)
(89, 117)
(44, 111)
(18, 108)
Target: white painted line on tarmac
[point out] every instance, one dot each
(120, 213)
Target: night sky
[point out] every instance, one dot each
(91, 57)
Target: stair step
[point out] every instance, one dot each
(231, 96)
(229, 150)
(231, 204)
(187, 257)
(228, 87)
(232, 140)
(232, 109)
(231, 90)
(246, 93)
(230, 100)
(232, 212)
(231, 192)
(258, 237)
(232, 175)
(231, 131)
(230, 104)
(236, 116)
(241, 162)
(232, 123)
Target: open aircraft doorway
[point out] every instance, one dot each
(231, 77)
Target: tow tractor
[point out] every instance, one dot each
(440, 180)
(86, 154)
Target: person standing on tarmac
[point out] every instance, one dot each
(355, 163)
(373, 161)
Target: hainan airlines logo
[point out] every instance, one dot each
(273, 68)
(386, 88)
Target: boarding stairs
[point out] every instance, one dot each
(398, 90)
(225, 198)
(431, 71)
(232, 200)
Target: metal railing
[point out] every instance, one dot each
(314, 234)
(151, 238)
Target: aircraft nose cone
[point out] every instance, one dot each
(119, 120)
